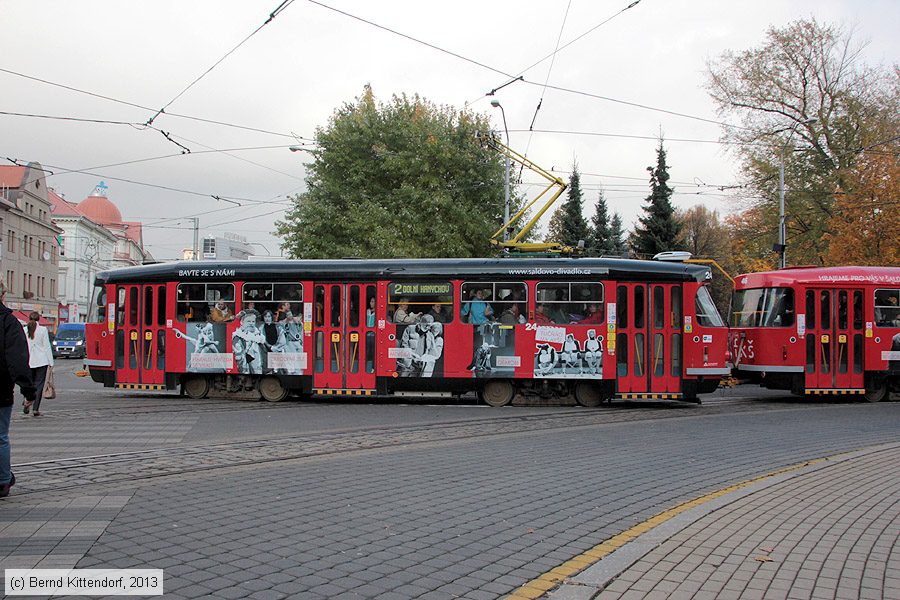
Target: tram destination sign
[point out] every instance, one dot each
(421, 289)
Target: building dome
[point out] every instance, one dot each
(98, 207)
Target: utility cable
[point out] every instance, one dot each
(147, 108)
(284, 4)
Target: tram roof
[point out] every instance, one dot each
(822, 276)
(397, 269)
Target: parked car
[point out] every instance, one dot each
(69, 341)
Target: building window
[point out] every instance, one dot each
(10, 281)
(11, 241)
(53, 288)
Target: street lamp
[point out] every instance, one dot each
(496, 104)
(782, 238)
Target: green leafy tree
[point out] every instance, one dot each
(600, 240)
(658, 229)
(399, 179)
(574, 225)
(805, 95)
(617, 236)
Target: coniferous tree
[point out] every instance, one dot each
(574, 225)
(658, 229)
(617, 236)
(600, 240)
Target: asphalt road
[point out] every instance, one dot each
(355, 499)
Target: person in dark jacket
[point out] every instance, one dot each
(14, 370)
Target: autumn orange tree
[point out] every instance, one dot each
(865, 226)
(803, 97)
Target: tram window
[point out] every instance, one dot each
(320, 352)
(639, 308)
(370, 352)
(676, 308)
(887, 308)
(842, 348)
(148, 305)
(857, 310)
(622, 306)
(371, 306)
(707, 315)
(810, 309)
(622, 354)
(843, 310)
(161, 349)
(764, 307)
(161, 306)
(410, 300)
(811, 353)
(639, 354)
(857, 353)
(505, 302)
(353, 361)
(319, 312)
(120, 307)
(825, 357)
(659, 307)
(825, 313)
(335, 308)
(191, 302)
(99, 315)
(283, 300)
(120, 349)
(571, 302)
(659, 358)
(676, 355)
(354, 306)
(335, 352)
(133, 307)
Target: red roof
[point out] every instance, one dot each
(100, 210)
(59, 206)
(11, 176)
(820, 275)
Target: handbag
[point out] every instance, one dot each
(49, 388)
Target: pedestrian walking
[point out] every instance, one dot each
(14, 370)
(40, 359)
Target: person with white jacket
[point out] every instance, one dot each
(40, 359)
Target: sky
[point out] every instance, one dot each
(114, 64)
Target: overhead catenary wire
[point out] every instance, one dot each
(281, 7)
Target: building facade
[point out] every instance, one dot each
(29, 253)
(95, 238)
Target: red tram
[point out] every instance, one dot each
(819, 330)
(595, 328)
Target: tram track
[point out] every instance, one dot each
(149, 464)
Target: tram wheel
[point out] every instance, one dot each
(498, 393)
(876, 394)
(196, 387)
(588, 394)
(271, 390)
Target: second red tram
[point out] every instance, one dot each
(594, 328)
(816, 331)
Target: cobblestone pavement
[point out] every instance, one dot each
(463, 506)
(830, 532)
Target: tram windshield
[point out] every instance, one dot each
(97, 307)
(763, 307)
(707, 314)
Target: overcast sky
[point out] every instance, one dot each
(312, 57)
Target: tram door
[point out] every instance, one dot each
(648, 338)
(834, 339)
(141, 334)
(343, 337)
